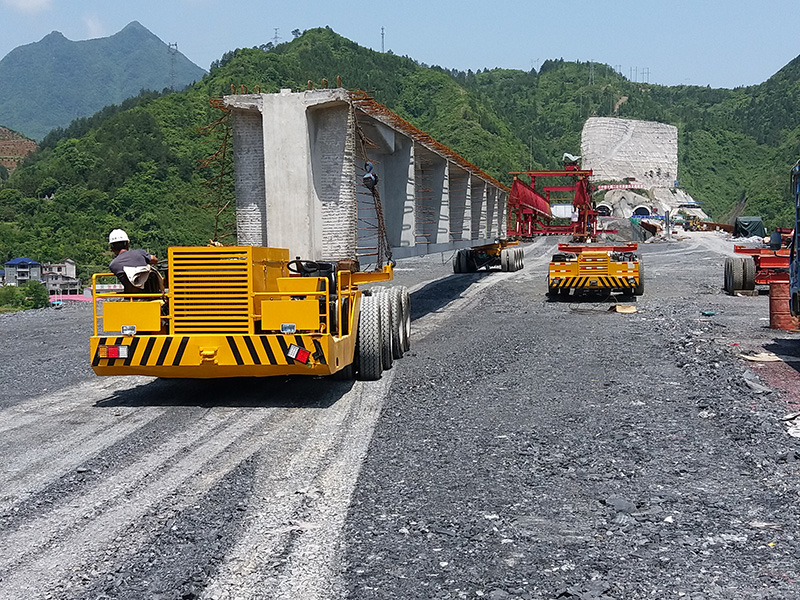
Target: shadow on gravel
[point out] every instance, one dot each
(786, 347)
(267, 392)
(593, 297)
(438, 294)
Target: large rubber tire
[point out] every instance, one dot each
(639, 289)
(737, 275)
(504, 262)
(728, 282)
(457, 262)
(466, 254)
(521, 258)
(469, 261)
(387, 327)
(398, 331)
(369, 342)
(405, 301)
(748, 273)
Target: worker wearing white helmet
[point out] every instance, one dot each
(128, 264)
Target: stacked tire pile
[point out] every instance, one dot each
(740, 274)
(384, 331)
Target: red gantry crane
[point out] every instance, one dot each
(529, 212)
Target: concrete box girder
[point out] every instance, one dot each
(300, 160)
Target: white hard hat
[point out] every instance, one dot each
(117, 235)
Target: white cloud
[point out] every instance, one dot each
(28, 6)
(94, 28)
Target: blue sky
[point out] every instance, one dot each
(696, 42)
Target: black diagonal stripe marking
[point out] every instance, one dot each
(131, 351)
(147, 350)
(285, 350)
(181, 349)
(116, 342)
(96, 359)
(253, 354)
(235, 349)
(319, 354)
(268, 350)
(164, 350)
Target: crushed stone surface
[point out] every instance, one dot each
(523, 449)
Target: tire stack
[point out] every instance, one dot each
(740, 274)
(511, 259)
(384, 330)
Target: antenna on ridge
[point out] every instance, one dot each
(382, 40)
(276, 38)
(172, 48)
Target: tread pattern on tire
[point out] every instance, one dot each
(405, 300)
(398, 330)
(748, 273)
(387, 328)
(369, 343)
(728, 281)
(639, 289)
(737, 274)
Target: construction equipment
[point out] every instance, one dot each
(760, 266)
(583, 268)
(249, 311)
(503, 253)
(529, 212)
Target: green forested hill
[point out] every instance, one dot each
(49, 83)
(135, 165)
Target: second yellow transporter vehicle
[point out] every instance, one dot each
(586, 268)
(247, 311)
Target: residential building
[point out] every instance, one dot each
(61, 278)
(21, 270)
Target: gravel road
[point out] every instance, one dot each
(524, 448)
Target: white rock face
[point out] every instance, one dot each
(618, 148)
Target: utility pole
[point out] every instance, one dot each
(383, 39)
(172, 48)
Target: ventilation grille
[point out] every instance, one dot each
(210, 291)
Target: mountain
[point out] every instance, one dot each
(49, 83)
(135, 165)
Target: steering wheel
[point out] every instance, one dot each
(303, 267)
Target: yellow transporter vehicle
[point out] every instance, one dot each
(248, 311)
(596, 268)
